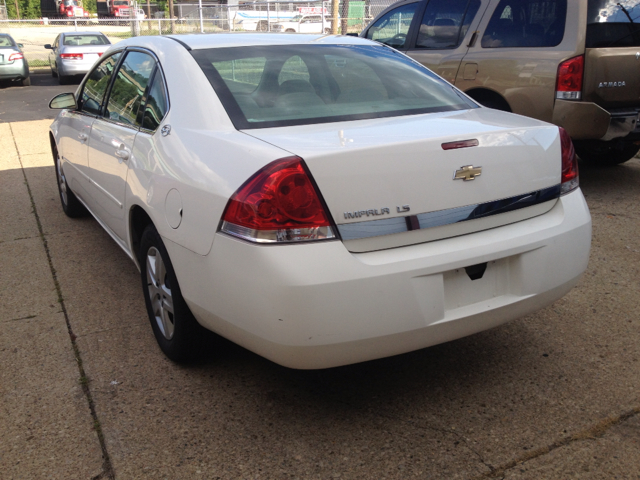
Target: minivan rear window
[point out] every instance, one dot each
(613, 23)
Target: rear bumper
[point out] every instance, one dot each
(18, 70)
(73, 67)
(320, 306)
(589, 121)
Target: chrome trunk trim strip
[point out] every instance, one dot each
(389, 226)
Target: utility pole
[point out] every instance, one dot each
(335, 6)
(173, 24)
(17, 10)
(345, 16)
(149, 16)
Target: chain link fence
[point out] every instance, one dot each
(277, 16)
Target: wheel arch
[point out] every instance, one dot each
(489, 98)
(139, 219)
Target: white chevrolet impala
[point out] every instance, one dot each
(319, 200)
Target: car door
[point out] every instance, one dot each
(393, 27)
(112, 137)
(52, 54)
(75, 126)
(442, 37)
(517, 54)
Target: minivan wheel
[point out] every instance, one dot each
(603, 153)
(179, 335)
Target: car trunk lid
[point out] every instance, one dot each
(390, 182)
(5, 53)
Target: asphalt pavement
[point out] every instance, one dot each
(85, 392)
(22, 104)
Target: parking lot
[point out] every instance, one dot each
(87, 394)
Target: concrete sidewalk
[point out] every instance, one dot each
(85, 393)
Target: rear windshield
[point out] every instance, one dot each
(613, 23)
(77, 40)
(272, 86)
(6, 41)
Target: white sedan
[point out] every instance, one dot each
(319, 200)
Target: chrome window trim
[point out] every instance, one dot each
(389, 226)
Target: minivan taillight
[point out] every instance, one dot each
(569, 83)
(569, 180)
(278, 204)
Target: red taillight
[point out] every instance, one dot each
(71, 56)
(15, 56)
(100, 54)
(569, 84)
(569, 179)
(278, 204)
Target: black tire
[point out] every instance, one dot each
(63, 79)
(606, 154)
(70, 203)
(26, 82)
(54, 73)
(180, 337)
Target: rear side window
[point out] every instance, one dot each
(613, 23)
(157, 105)
(393, 27)
(445, 23)
(526, 23)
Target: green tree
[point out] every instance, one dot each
(90, 6)
(28, 9)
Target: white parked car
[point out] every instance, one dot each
(319, 200)
(303, 24)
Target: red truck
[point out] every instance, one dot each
(62, 8)
(114, 8)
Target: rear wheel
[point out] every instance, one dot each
(179, 335)
(26, 82)
(70, 203)
(607, 154)
(62, 79)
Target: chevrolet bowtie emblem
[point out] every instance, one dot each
(468, 172)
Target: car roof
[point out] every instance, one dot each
(221, 40)
(75, 34)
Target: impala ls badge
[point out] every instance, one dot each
(468, 172)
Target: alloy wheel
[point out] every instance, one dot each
(160, 293)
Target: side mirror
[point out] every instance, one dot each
(48, 46)
(20, 45)
(64, 100)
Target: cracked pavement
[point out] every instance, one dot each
(87, 394)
